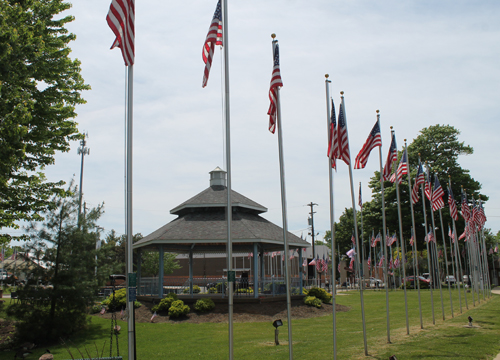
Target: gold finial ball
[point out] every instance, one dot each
(341, 93)
(391, 127)
(377, 111)
(273, 35)
(405, 140)
(449, 176)
(327, 76)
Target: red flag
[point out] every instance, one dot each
(343, 153)
(153, 316)
(121, 19)
(214, 37)
(273, 90)
(374, 139)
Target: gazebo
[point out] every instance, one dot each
(200, 228)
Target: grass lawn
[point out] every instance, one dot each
(313, 337)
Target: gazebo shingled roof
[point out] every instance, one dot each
(201, 223)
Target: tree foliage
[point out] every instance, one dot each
(67, 264)
(151, 263)
(40, 86)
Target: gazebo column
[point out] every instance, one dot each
(160, 272)
(139, 260)
(255, 271)
(262, 268)
(191, 270)
(301, 271)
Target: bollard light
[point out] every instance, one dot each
(277, 323)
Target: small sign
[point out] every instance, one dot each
(132, 279)
(231, 276)
(132, 294)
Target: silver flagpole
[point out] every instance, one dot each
(432, 283)
(436, 252)
(416, 280)
(283, 210)
(355, 227)
(229, 211)
(402, 247)
(332, 217)
(362, 275)
(128, 207)
(384, 241)
(460, 270)
(445, 255)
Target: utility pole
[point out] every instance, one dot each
(311, 222)
(83, 150)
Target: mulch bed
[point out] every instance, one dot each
(253, 312)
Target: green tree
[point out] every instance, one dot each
(40, 86)
(111, 255)
(69, 267)
(151, 263)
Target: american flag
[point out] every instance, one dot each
(369, 262)
(343, 152)
(353, 239)
(103, 310)
(412, 238)
(214, 37)
(402, 168)
(482, 216)
(440, 253)
(391, 264)
(392, 156)
(450, 234)
(360, 201)
(462, 236)
(475, 212)
(419, 180)
(324, 264)
(14, 255)
(338, 267)
(491, 251)
(453, 206)
(496, 249)
(430, 237)
(428, 190)
(376, 240)
(392, 240)
(121, 19)
(2, 254)
(351, 264)
(319, 263)
(381, 262)
(351, 253)
(273, 90)
(465, 206)
(153, 316)
(333, 146)
(396, 262)
(437, 195)
(374, 139)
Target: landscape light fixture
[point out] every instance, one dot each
(277, 323)
(470, 321)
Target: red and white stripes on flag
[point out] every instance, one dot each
(465, 207)
(273, 90)
(121, 19)
(333, 146)
(214, 37)
(453, 206)
(437, 195)
(392, 156)
(343, 141)
(419, 180)
(374, 139)
(428, 187)
(402, 168)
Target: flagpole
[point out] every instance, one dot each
(432, 283)
(458, 256)
(283, 209)
(332, 217)
(402, 246)
(384, 242)
(416, 279)
(437, 257)
(229, 210)
(355, 228)
(362, 275)
(446, 261)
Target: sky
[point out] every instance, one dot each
(420, 63)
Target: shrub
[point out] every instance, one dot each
(178, 309)
(196, 290)
(312, 301)
(120, 301)
(320, 294)
(212, 290)
(204, 305)
(165, 303)
(95, 308)
(244, 291)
